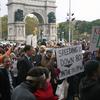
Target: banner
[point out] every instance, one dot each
(95, 39)
(98, 42)
(69, 60)
(31, 40)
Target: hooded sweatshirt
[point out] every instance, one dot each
(89, 89)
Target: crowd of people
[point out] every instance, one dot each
(30, 73)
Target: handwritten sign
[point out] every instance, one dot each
(31, 40)
(95, 38)
(69, 60)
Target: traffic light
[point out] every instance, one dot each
(73, 19)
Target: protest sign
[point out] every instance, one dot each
(95, 38)
(31, 40)
(69, 60)
(98, 42)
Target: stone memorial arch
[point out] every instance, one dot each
(19, 9)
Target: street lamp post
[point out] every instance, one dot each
(62, 35)
(41, 35)
(69, 21)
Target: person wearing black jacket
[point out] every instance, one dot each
(6, 80)
(25, 63)
(90, 84)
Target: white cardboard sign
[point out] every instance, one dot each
(69, 60)
(95, 38)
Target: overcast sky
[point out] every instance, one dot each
(82, 9)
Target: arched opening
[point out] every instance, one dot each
(34, 25)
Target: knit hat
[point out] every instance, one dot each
(91, 66)
(35, 74)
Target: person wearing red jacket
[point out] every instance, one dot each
(46, 92)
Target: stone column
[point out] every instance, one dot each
(53, 31)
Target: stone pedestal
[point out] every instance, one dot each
(52, 31)
(16, 31)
